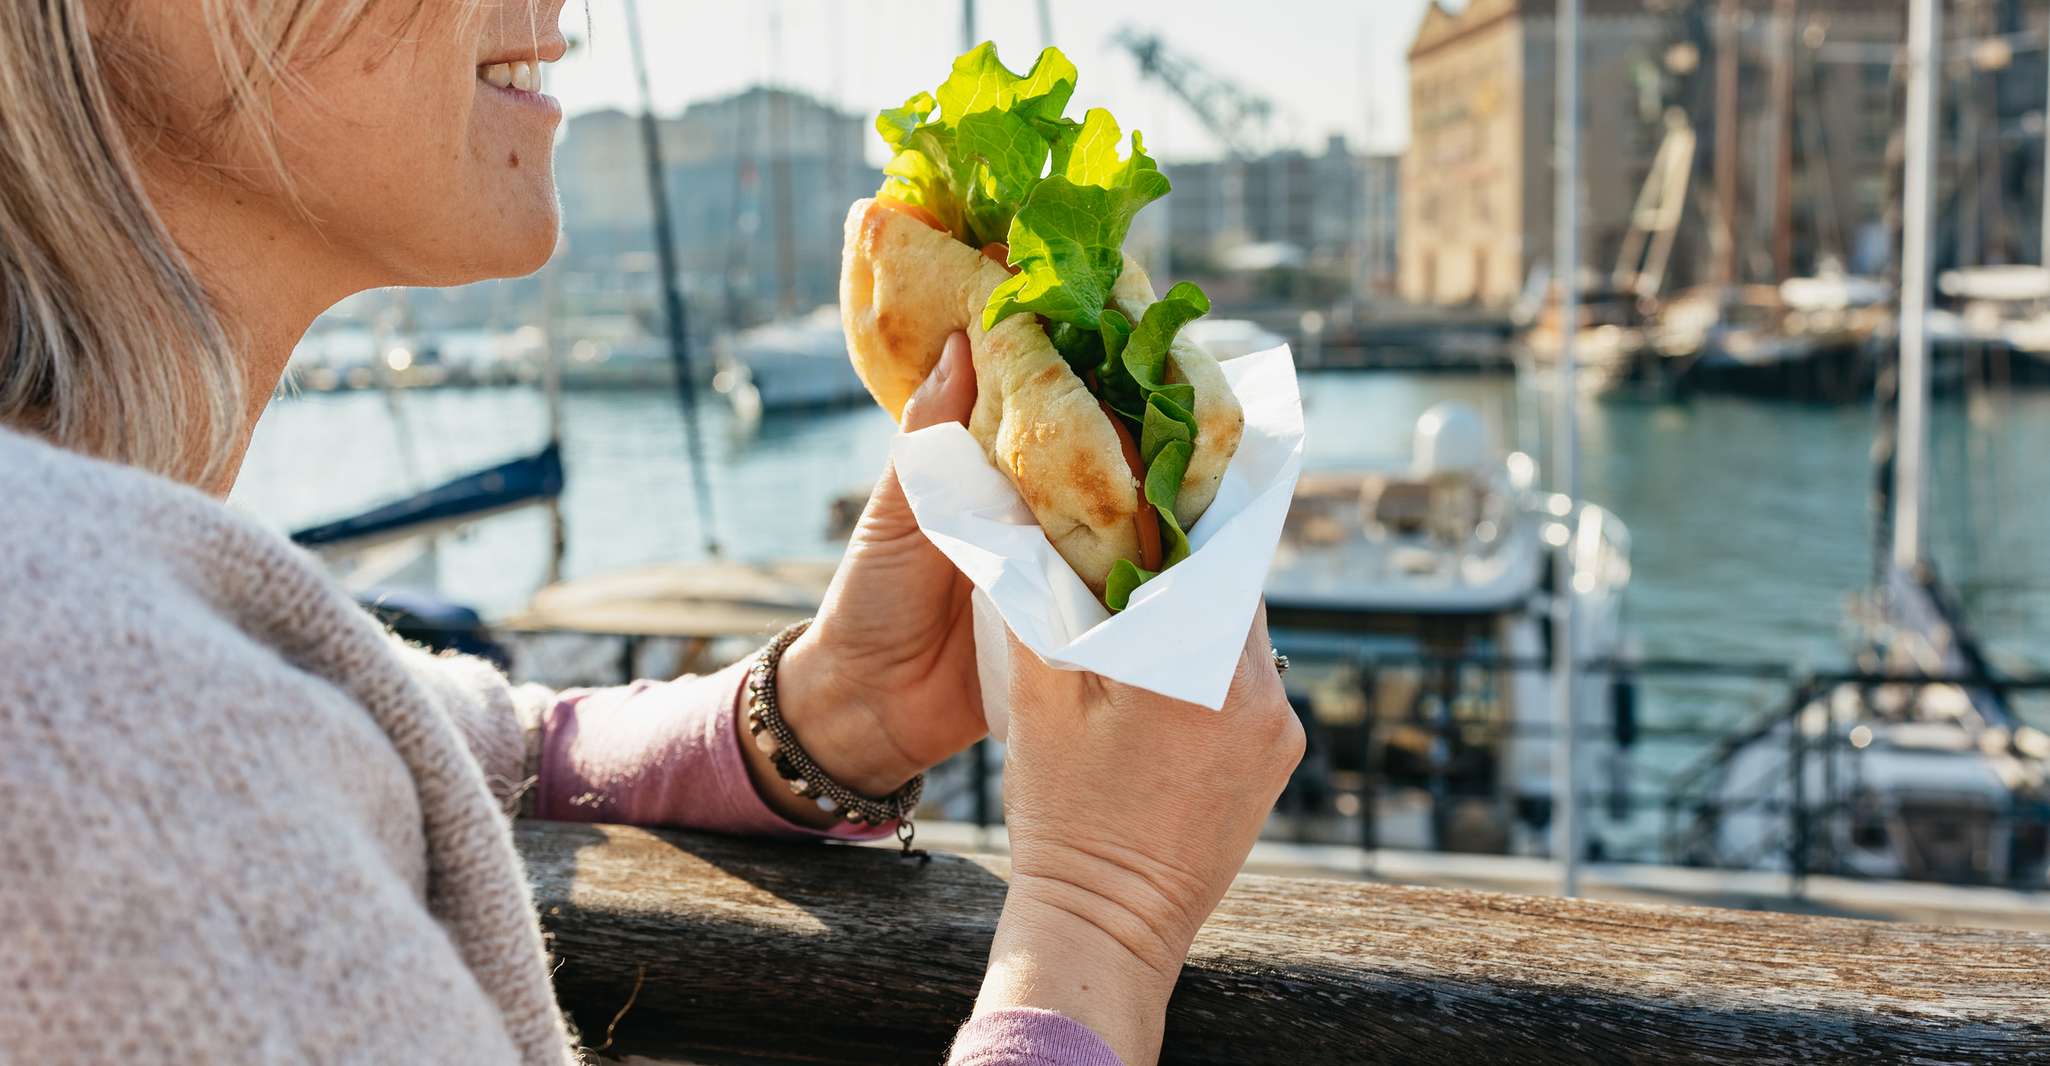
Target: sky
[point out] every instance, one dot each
(1329, 66)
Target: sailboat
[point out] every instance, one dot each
(1918, 767)
(792, 364)
(2003, 309)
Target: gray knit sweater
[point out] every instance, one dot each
(209, 851)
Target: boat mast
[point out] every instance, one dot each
(551, 393)
(1783, 138)
(1911, 446)
(779, 170)
(551, 373)
(672, 292)
(1727, 118)
(1566, 446)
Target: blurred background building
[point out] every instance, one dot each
(1292, 209)
(760, 180)
(1797, 187)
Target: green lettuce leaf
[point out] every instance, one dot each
(1163, 483)
(1007, 158)
(972, 151)
(1117, 332)
(913, 178)
(1125, 579)
(896, 124)
(1165, 422)
(1092, 153)
(1133, 377)
(1145, 358)
(981, 82)
(1068, 238)
(924, 169)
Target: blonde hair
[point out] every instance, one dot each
(109, 344)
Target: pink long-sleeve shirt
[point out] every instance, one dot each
(668, 753)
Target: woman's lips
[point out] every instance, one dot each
(521, 75)
(519, 82)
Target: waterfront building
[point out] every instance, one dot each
(759, 182)
(1477, 208)
(1380, 261)
(1333, 212)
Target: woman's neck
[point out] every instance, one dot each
(268, 277)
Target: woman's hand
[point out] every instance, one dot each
(883, 685)
(1129, 815)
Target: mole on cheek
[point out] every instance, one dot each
(513, 160)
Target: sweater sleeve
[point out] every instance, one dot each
(654, 753)
(1023, 1036)
(659, 753)
(500, 722)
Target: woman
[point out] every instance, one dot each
(244, 824)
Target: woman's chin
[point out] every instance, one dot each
(536, 252)
(514, 251)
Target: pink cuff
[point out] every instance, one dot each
(660, 754)
(1027, 1036)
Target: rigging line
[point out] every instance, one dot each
(551, 370)
(1566, 838)
(780, 150)
(673, 305)
(1818, 135)
(395, 322)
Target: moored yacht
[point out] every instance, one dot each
(1416, 602)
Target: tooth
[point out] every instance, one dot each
(525, 77)
(499, 74)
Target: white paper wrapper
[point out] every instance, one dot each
(1183, 631)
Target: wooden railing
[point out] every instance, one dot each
(717, 950)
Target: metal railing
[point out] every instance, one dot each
(1347, 776)
(1811, 816)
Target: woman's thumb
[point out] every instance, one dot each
(948, 393)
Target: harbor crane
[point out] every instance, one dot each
(1239, 118)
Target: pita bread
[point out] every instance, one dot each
(905, 286)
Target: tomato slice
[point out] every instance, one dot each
(914, 211)
(1147, 519)
(999, 253)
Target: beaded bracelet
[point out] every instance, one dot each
(772, 736)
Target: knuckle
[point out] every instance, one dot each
(1281, 729)
(1273, 717)
(1295, 741)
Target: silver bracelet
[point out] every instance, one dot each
(772, 736)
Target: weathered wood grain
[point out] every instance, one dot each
(779, 953)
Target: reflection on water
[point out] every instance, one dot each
(1750, 522)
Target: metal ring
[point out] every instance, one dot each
(1280, 660)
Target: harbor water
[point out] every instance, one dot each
(1750, 522)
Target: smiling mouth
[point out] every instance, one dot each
(518, 76)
